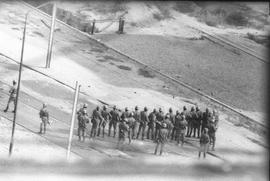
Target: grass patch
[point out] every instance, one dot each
(237, 19)
(145, 73)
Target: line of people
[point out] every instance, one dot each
(156, 125)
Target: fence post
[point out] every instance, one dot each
(93, 27)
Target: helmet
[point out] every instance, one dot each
(154, 110)
(170, 110)
(104, 107)
(44, 105)
(177, 112)
(97, 108)
(197, 108)
(14, 82)
(136, 107)
(145, 109)
(85, 105)
(184, 108)
(126, 109)
(160, 110)
(114, 107)
(192, 108)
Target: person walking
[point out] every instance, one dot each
(44, 116)
(83, 119)
(12, 96)
(204, 142)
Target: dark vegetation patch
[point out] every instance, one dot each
(38, 33)
(133, 24)
(123, 67)
(264, 40)
(145, 73)
(97, 49)
(185, 6)
(102, 60)
(237, 19)
(108, 57)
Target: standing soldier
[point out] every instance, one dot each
(162, 134)
(172, 129)
(12, 96)
(160, 118)
(123, 128)
(83, 119)
(216, 117)
(197, 122)
(137, 117)
(96, 119)
(44, 116)
(131, 124)
(180, 125)
(113, 122)
(212, 133)
(206, 118)
(151, 124)
(204, 142)
(143, 123)
(190, 117)
(106, 118)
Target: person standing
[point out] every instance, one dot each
(96, 119)
(204, 143)
(143, 123)
(106, 118)
(123, 128)
(131, 124)
(12, 96)
(114, 120)
(180, 125)
(160, 118)
(137, 117)
(162, 135)
(44, 116)
(171, 131)
(83, 119)
(212, 133)
(197, 122)
(151, 125)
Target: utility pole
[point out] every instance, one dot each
(49, 51)
(76, 95)
(18, 89)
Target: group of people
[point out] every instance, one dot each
(156, 125)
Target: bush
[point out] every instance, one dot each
(236, 19)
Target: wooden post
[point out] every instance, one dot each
(93, 27)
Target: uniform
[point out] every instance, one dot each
(162, 136)
(123, 128)
(12, 97)
(96, 119)
(160, 118)
(44, 116)
(137, 117)
(83, 119)
(197, 123)
(106, 118)
(151, 125)
(206, 119)
(180, 127)
(171, 130)
(204, 142)
(131, 124)
(212, 134)
(113, 122)
(143, 123)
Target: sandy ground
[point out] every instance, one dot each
(111, 81)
